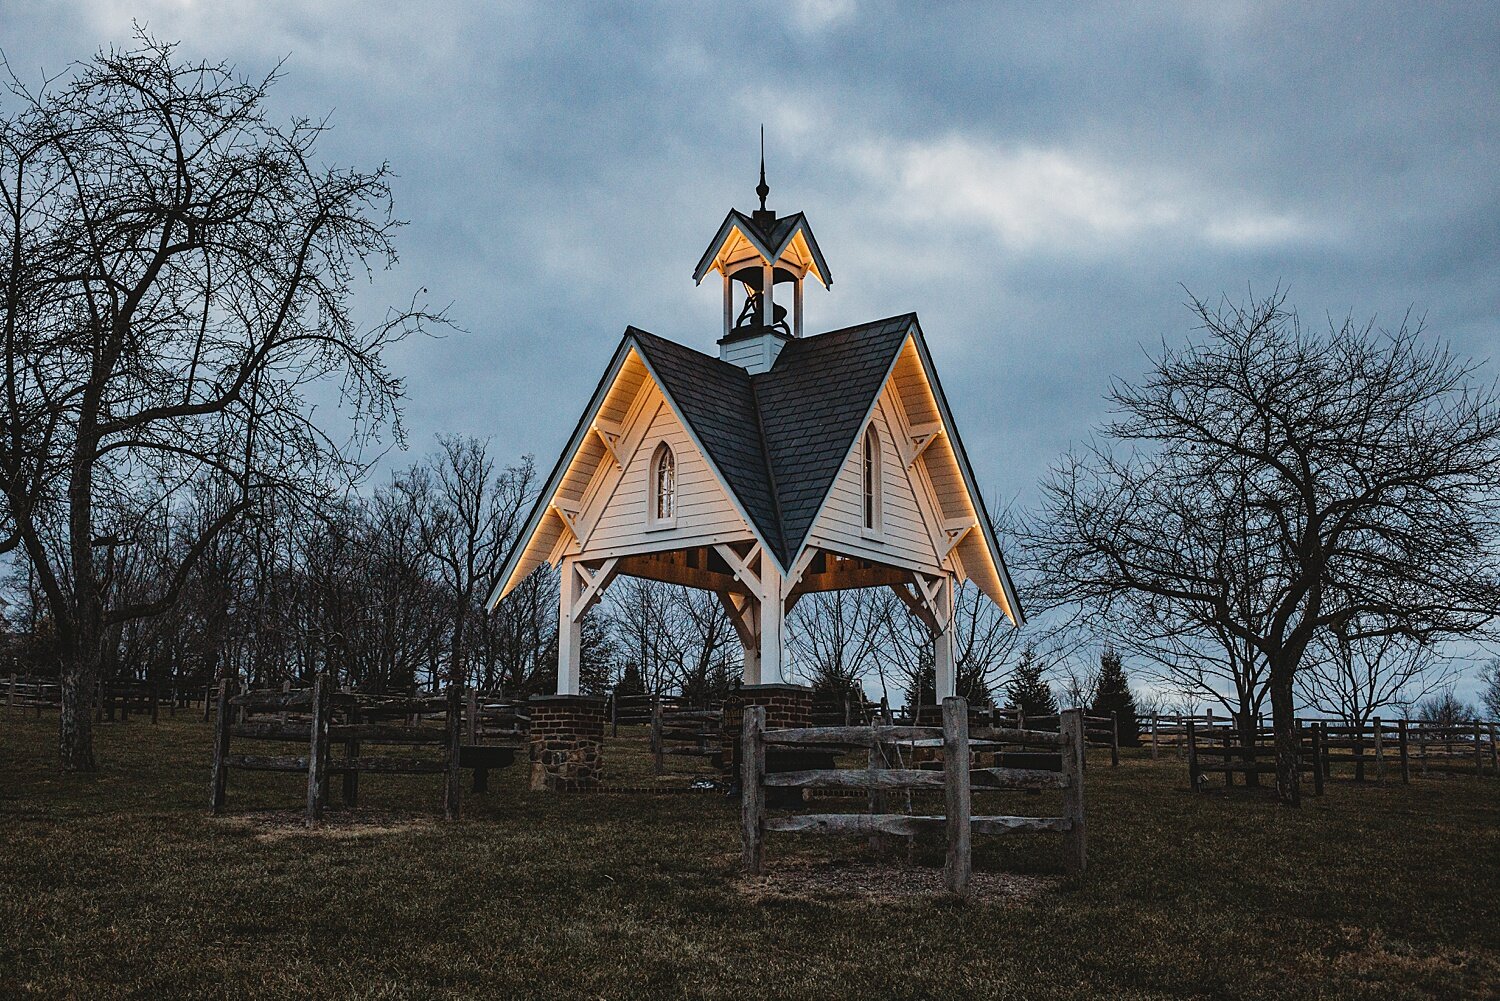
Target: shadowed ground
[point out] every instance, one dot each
(121, 885)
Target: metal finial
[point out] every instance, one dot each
(763, 189)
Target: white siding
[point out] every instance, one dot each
(704, 511)
(904, 539)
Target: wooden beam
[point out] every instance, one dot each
(650, 567)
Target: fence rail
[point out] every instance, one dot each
(958, 780)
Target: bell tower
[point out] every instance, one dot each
(763, 261)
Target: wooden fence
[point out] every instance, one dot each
(320, 718)
(682, 732)
(958, 779)
(36, 694)
(1374, 747)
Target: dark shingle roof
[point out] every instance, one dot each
(779, 438)
(718, 403)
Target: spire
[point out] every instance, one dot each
(763, 189)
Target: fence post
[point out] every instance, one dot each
(1404, 750)
(221, 748)
(453, 789)
(317, 752)
(1379, 750)
(10, 697)
(657, 750)
(1317, 758)
(1494, 751)
(1075, 841)
(1154, 720)
(351, 756)
(1114, 738)
(960, 862)
(1478, 751)
(752, 789)
(471, 720)
(1192, 756)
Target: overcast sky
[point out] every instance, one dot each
(1035, 185)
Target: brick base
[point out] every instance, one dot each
(786, 706)
(567, 740)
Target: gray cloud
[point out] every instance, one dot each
(1035, 184)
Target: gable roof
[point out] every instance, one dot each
(777, 439)
(770, 242)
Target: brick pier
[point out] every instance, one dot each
(567, 738)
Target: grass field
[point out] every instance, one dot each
(121, 885)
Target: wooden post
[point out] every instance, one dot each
(453, 788)
(351, 753)
(614, 713)
(960, 863)
(1317, 758)
(1075, 841)
(10, 697)
(1405, 752)
(1478, 751)
(1192, 756)
(1227, 741)
(471, 720)
(1422, 746)
(657, 751)
(1494, 751)
(1114, 738)
(1359, 754)
(752, 790)
(1155, 718)
(317, 752)
(1379, 750)
(221, 748)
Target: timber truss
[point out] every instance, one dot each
(756, 597)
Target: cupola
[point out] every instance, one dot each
(763, 260)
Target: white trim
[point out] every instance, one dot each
(656, 522)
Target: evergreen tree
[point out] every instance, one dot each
(1113, 695)
(630, 682)
(1027, 690)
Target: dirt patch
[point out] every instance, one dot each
(883, 883)
(276, 825)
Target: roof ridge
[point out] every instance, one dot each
(765, 457)
(909, 314)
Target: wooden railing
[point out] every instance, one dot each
(679, 731)
(318, 718)
(958, 779)
(1460, 747)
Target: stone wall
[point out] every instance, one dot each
(567, 740)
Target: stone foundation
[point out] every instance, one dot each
(786, 706)
(567, 740)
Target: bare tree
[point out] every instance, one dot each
(469, 513)
(176, 281)
(1354, 679)
(1361, 470)
(1489, 687)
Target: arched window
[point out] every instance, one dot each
(870, 448)
(662, 510)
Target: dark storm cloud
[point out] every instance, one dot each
(1035, 184)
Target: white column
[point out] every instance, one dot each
(751, 674)
(767, 299)
(797, 306)
(771, 623)
(942, 643)
(728, 304)
(569, 630)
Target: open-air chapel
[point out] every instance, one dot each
(788, 463)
